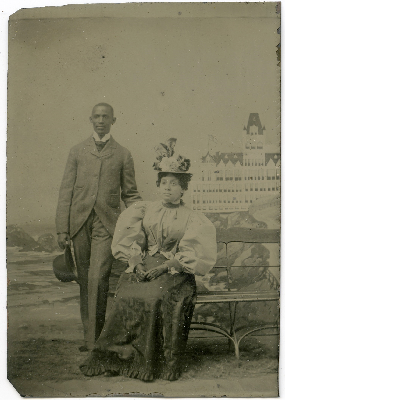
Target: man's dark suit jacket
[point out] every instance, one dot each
(98, 180)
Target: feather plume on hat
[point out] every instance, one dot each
(168, 161)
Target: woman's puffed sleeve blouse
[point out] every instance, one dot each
(195, 250)
(129, 239)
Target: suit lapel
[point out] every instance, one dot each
(91, 147)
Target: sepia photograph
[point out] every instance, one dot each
(143, 226)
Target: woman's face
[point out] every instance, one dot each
(170, 188)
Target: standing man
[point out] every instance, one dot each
(99, 172)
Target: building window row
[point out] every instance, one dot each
(256, 178)
(252, 163)
(214, 202)
(253, 185)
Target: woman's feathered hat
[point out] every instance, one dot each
(168, 161)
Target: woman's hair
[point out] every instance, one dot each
(183, 179)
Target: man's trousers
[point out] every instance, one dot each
(92, 249)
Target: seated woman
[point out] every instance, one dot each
(164, 244)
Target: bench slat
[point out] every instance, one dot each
(224, 297)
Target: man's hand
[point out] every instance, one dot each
(63, 240)
(156, 272)
(140, 272)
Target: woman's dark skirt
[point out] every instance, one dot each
(146, 332)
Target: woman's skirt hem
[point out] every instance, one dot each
(97, 365)
(127, 372)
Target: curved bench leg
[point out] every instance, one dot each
(236, 344)
(232, 320)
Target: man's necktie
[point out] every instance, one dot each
(100, 145)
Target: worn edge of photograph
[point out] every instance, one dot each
(168, 162)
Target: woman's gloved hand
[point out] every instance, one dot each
(156, 272)
(140, 272)
(130, 269)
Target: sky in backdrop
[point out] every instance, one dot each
(168, 73)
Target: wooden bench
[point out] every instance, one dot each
(235, 334)
(233, 297)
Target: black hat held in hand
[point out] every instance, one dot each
(63, 266)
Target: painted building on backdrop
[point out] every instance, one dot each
(231, 182)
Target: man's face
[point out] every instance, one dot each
(102, 118)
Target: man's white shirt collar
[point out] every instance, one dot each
(105, 137)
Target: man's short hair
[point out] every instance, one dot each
(104, 105)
